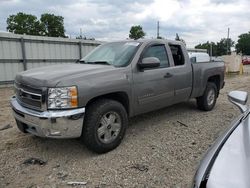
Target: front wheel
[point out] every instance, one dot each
(104, 125)
(207, 101)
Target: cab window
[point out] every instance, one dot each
(159, 52)
(177, 54)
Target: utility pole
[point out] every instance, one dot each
(158, 28)
(211, 50)
(81, 33)
(228, 50)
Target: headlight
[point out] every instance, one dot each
(64, 97)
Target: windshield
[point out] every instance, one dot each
(118, 54)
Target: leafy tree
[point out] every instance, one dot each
(243, 44)
(22, 23)
(207, 46)
(224, 46)
(49, 25)
(54, 26)
(219, 48)
(204, 46)
(136, 32)
(81, 37)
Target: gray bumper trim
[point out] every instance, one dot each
(54, 124)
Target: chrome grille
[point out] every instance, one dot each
(29, 97)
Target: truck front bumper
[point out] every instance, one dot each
(52, 124)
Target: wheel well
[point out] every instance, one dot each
(121, 97)
(215, 79)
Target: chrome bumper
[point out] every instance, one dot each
(52, 124)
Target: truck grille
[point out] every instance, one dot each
(29, 97)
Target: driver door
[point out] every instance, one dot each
(153, 87)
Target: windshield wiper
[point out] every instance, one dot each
(99, 62)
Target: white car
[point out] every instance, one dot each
(227, 162)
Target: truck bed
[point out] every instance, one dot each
(201, 73)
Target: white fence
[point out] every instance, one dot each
(22, 52)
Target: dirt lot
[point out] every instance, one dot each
(157, 151)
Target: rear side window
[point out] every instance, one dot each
(159, 52)
(177, 54)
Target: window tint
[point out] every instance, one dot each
(177, 54)
(159, 52)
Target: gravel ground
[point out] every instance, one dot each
(160, 149)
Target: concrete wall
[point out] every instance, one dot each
(22, 52)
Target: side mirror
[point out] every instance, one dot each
(149, 62)
(239, 98)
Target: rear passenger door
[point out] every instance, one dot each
(153, 87)
(182, 72)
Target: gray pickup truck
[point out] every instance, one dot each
(94, 98)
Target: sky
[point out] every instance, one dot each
(196, 21)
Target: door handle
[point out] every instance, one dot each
(168, 75)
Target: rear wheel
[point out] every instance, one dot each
(207, 101)
(105, 125)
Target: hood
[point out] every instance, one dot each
(50, 76)
(232, 165)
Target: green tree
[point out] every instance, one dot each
(136, 32)
(22, 23)
(224, 46)
(81, 37)
(54, 26)
(207, 46)
(219, 48)
(203, 46)
(243, 44)
(48, 25)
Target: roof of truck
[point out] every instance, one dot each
(151, 40)
(161, 40)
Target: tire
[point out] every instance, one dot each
(105, 124)
(21, 126)
(207, 101)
